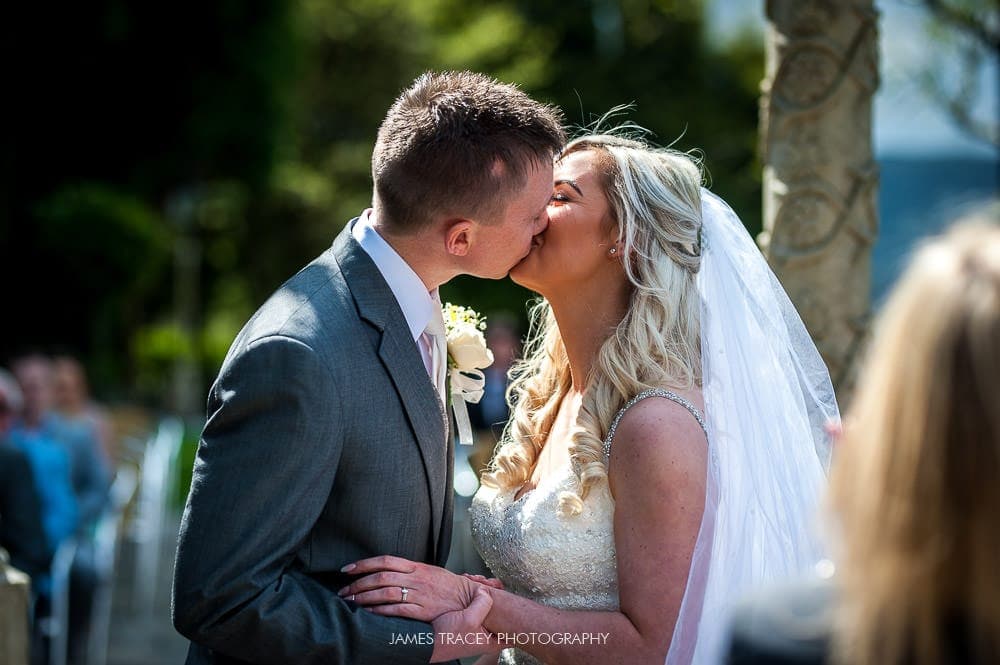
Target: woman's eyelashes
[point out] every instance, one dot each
(559, 197)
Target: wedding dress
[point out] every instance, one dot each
(567, 563)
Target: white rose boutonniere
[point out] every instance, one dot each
(467, 348)
(467, 356)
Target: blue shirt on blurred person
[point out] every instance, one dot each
(52, 471)
(88, 472)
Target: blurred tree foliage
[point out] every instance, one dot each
(115, 107)
(245, 129)
(970, 30)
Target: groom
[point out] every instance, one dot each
(326, 438)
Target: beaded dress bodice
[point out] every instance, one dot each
(564, 562)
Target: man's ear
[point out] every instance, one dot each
(458, 237)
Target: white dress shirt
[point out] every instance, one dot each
(417, 303)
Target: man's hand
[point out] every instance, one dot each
(460, 633)
(429, 591)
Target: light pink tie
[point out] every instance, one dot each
(436, 340)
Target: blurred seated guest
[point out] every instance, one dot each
(21, 530)
(52, 475)
(50, 463)
(502, 338)
(40, 427)
(72, 401)
(89, 472)
(915, 485)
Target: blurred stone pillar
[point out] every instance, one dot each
(187, 395)
(14, 606)
(820, 176)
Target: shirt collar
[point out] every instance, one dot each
(406, 286)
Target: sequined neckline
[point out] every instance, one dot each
(651, 392)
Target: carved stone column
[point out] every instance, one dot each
(14, 609)
(820, 176)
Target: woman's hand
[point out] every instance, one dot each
(486, 581)
(429, 591)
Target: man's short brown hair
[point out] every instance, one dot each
(458, 143)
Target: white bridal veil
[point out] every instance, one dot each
(767, 396)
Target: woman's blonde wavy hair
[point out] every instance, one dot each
(654, 196)
(915, 484)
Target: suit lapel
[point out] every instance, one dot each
(401, 358)
(444, 536)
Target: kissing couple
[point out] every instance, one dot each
(666, 449)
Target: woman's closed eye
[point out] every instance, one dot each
(560, 191)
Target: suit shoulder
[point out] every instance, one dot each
(312, 306)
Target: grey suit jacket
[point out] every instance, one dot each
(325, 443)
(789, 624)
(793, 624)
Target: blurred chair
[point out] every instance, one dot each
(106, 541)
(158, 476)
(55, 626)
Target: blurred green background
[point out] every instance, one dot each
(170, 164)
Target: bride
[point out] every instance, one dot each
(666, 450)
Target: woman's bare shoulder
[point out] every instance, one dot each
(658, 437)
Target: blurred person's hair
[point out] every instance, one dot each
(654, 200)
(22, 366)
(915, 487)
(68, 367)
(503, 324)
(33, 372)
(10, 393)
(29, 359)
(458, 144)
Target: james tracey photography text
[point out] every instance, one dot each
(500, 639)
